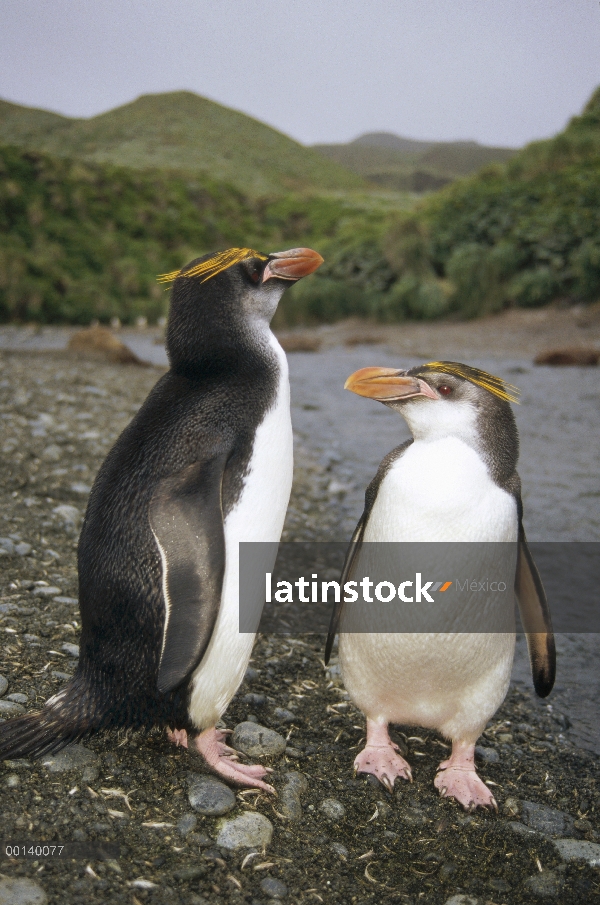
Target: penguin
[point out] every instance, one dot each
(455, 480)
(204, 465)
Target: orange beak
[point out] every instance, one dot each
(292, 265)
(387, 385)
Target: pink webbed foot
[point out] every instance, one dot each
(380, 757)
(178, 737)
(222, 760)
(457, 779)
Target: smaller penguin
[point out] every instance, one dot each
(456, 480)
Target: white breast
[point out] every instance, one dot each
(437, 491)
(257, 516)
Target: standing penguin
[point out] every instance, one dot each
(205, 464)
(456, 480)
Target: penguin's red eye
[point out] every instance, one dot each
(444, 389)
(255, 276)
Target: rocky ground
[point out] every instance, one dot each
(185, 838)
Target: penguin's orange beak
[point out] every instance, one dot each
(387, 385)
(292, 265)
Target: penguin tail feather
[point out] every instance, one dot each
(66, 718)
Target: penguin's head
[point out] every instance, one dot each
(219, 300)
(447, 399)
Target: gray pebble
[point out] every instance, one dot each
(209, 796)
(258, 700)
(68, 516)
(273, 888)
(187, 823)
(47, 592)
(17, 698)
(251, 674)
(521, 829)
(577, 849)
(545, 819)
(23, 549)
(12, 781)
(71, 649)
(52, 453)
(3, 685)
(69, 601)
(7, 545)
(340, 850)
(74, 757)
(296, 782)
(488, 755)
(78, 487)
(461, 899)
(31, 639)
(65, 676)
(332, 809)
(546, 884)
(286, 716)
(21, 891)
(10, 708)
(249, 830)
(256, 740)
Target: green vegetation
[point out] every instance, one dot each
(185, 132)
(84, 239)
(402, 164)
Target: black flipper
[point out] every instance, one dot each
(351, 554)
(535, 616)
(186, 517)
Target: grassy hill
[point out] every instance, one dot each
(403, 164)
(185, 132)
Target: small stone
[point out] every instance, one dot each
(191, 873)
(209, 796)
(283, 715)
(65, 676)
(80, 835)
(71, 649)
(78, 487)
(10, 708)
(256, 700)
(295, 784)
(257, 741)
(249, 830)
(23, 549)
(47, 592)
(12, 781)
(511, 807)
(546, 884)
(74, 757)
(340, 850)
(21, 891)
(273, 888)
(69, 517)
(52, 453)
(17, 698)
(332, 809)
(545, 819)
(577, 849)
(583, 825)
(251, 674)
(521, 829)
(3, 685)
(68, 601)
(187, 823)
(488, 755)
(461, 899)
(7, 545)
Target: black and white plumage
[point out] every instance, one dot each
(456, 480)
(205, 463)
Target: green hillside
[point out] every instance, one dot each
(85, 240)
(403, 164)
(522, 233)
(181, 131)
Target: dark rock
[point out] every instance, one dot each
(257, 741)
(74, 757)
(488, 755)
(187, 823)
(546, 884)
(257, 700)
(578, 850)
(545, 819)
(283, 715)
(99, 343)
(209, 796)
(332, 809)
(573, 356)
(3, 685)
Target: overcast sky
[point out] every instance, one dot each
(502, 73)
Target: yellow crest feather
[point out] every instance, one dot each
(213, 265)
(489, 382)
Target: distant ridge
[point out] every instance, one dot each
(407, 164)
(185, 132)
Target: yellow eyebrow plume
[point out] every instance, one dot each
(488, 382)
(213, 265)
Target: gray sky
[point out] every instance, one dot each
(502, 73)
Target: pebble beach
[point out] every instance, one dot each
(151, 825)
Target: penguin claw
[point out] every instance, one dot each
(223, 760)
(384, 763)
(466, 787)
